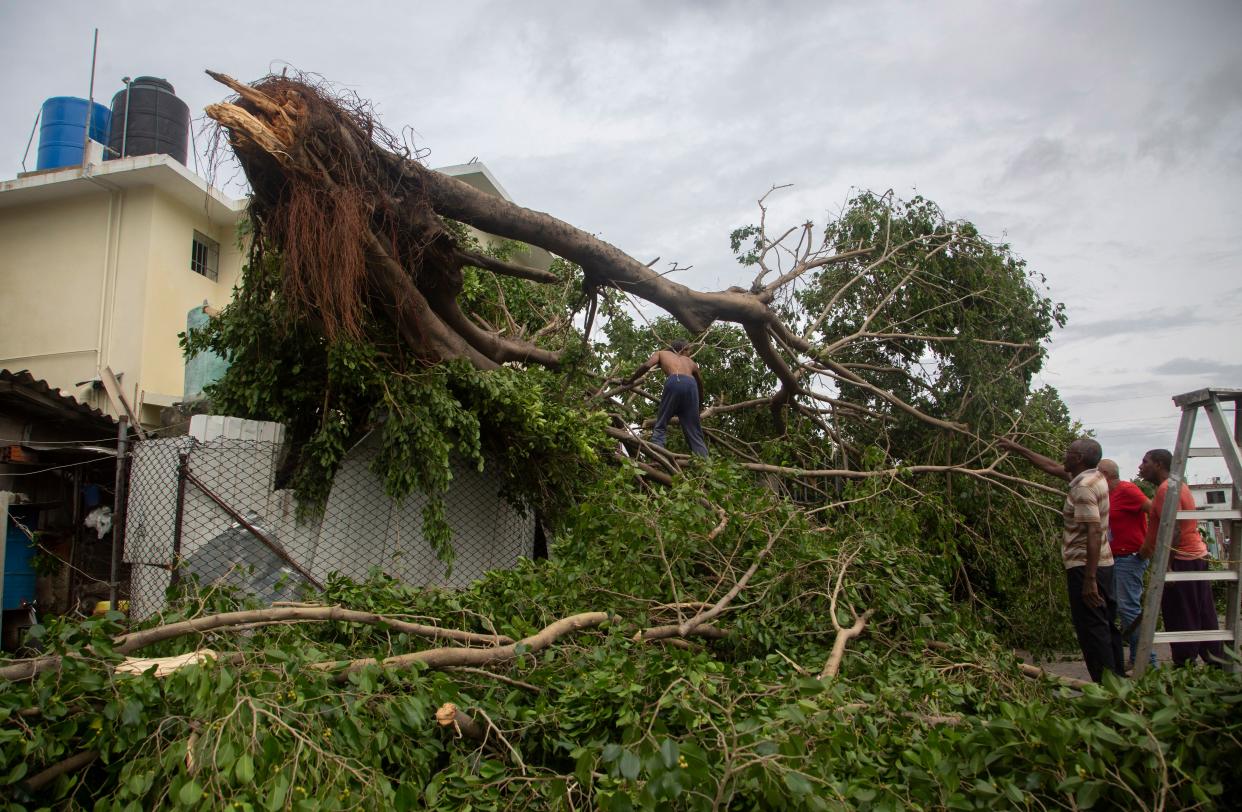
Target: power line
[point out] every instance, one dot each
(53, 468)
(27, 441)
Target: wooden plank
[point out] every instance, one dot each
(113, 387)
(1202, 396)
(1203, 636)
(1206, 575)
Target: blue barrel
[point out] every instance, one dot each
(19, 574)
(62, 129)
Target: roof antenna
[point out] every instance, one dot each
(90, 106)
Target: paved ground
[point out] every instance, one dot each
(1070, 664)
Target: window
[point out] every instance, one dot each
(205, 256)
(1216, 497)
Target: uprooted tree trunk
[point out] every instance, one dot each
(359, 227)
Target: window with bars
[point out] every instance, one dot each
(1216, 497)
(205, 256)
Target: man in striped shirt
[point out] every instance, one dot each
(1085, 552)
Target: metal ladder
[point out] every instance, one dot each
(1190, 403)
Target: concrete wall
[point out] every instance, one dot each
(173, 290)
(51, 274)
(102, 278)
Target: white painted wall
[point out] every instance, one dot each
(361, 530)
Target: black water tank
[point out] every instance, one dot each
(158, 122)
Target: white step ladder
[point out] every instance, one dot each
(1190, 403)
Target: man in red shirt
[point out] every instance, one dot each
(1186, 605)
(1128, 508)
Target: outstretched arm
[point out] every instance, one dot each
(1048, 466)
(644, 369)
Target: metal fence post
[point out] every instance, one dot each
(178, 519)
(118, 513)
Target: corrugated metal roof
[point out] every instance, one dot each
(25, 390)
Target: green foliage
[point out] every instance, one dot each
(936, 295)
(332, 394)
(618, 724)
(601, 719)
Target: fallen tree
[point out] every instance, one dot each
(843, 322)
(891, 343)
(808, 620)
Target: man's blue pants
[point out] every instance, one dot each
(1128, 574)
(680, 400)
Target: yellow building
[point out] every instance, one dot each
(99, 265)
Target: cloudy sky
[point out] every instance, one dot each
(1103, 140)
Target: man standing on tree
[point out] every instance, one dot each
(1186, 605)
(683, 392)
(1085, 552)
(1128, 508)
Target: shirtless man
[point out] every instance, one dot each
(683, 392)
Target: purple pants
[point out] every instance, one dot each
(1187, 606)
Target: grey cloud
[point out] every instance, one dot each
(1200, 366)
(1148, 322)
(1041, 157)
(1079, 396)
(1210, 112)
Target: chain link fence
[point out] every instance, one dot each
(210, 507)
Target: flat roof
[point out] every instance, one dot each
(138, 171)
(477, 175)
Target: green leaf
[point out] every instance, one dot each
(131, 714)
(630, 764)
(864, 794)
(669, 752)
(490, 769)
(16, 773)
(798, 784)
(1088, 794)
(1164, 716)
(190, 793)
(276, 796)
(243, 770)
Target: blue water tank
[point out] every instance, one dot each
(62, 128)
